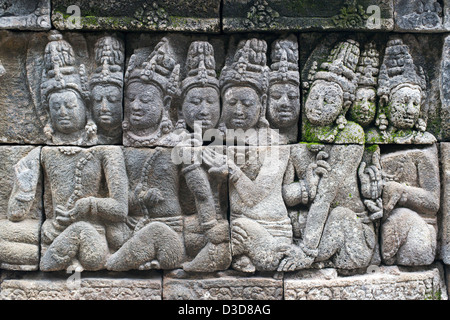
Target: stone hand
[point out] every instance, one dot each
(393, 194)
(294, 259)
(375, 208)
(371, 179)
(66, 217)
(315, 172)
(151, 196)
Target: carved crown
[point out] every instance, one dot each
(60, 71)
(248, 67)
(398, 68)
(368, 67)
(158, 68)
(109, 56)
(284, 66)
(200, 66)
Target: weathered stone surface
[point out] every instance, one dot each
(420, 16)
(224, 286)
(63, 90)
(177, 212)
(21, 207)
(380, 283)
(411, 199)
(25, 14)
(445, 90)
(82, 286)
(86, 206)
(368, 106)
(161, 15)
(445, 204)
(274, 15)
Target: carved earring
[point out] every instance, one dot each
(48, 131)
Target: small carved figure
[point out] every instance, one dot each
(150, 84)
(106, 90)
(402, 91)
(330, 95)
(283, 108)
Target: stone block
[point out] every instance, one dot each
(25, 14)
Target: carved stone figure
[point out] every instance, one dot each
(411, 196)
(418, 15)
(25, 14)
(151, 81)
(106, 90)
(162, 237)
(364, 108)
(244, 87)
(20, 199)
(86, 206)
(329, 97)
(64, 96)
(283, 107)
(330, 220)
(402, 91)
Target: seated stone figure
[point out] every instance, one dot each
(411, 197)
(151, 81)
(283, 105)
(106, 90)
(64, 96)
(402, 91)
(329, 217)
(330, 95)
(20, 223)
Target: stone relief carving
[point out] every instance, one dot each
(445, 209)
(25, 14)
(330, 93)
(402, 90)
(106, 87)
(418, 15)
(86, 206)
(64, 96)
(21, 216)
(283, 106)
(411, 197)
(151, 82)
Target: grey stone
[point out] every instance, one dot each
(177, 210)
(161, 15)
(86, 206)
(21, 207)
(82, 286)
(420, 16)
(445, 203)
(25, 14)
(379, 283)
(411, 199)
(445, 90)
(273, 15)
(224, 286)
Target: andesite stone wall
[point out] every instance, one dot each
(225, 149)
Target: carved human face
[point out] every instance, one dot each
(241, 108)
(283, 106)
(364, 108)
(324, 103)
(107, 106)
(67, 112)
(202, 104)
(145, 105)
(404, 108)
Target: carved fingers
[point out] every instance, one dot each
(393, 193)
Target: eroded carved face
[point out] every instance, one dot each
(283, 106)
(364, 108)
(241, 108)
(202, 104)
(107, 106)
(145, 105)
(324, 103)
(67, 112)
(404, 107)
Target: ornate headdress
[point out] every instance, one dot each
(284, 66)
(368, 67)
(398, 69)
(109, 56)
(159, 68)
(340, 68)
(61, 73)
(248, 67)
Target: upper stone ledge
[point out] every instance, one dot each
(161, 15)
(422, 16)
(25, 14)
(308, 15)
